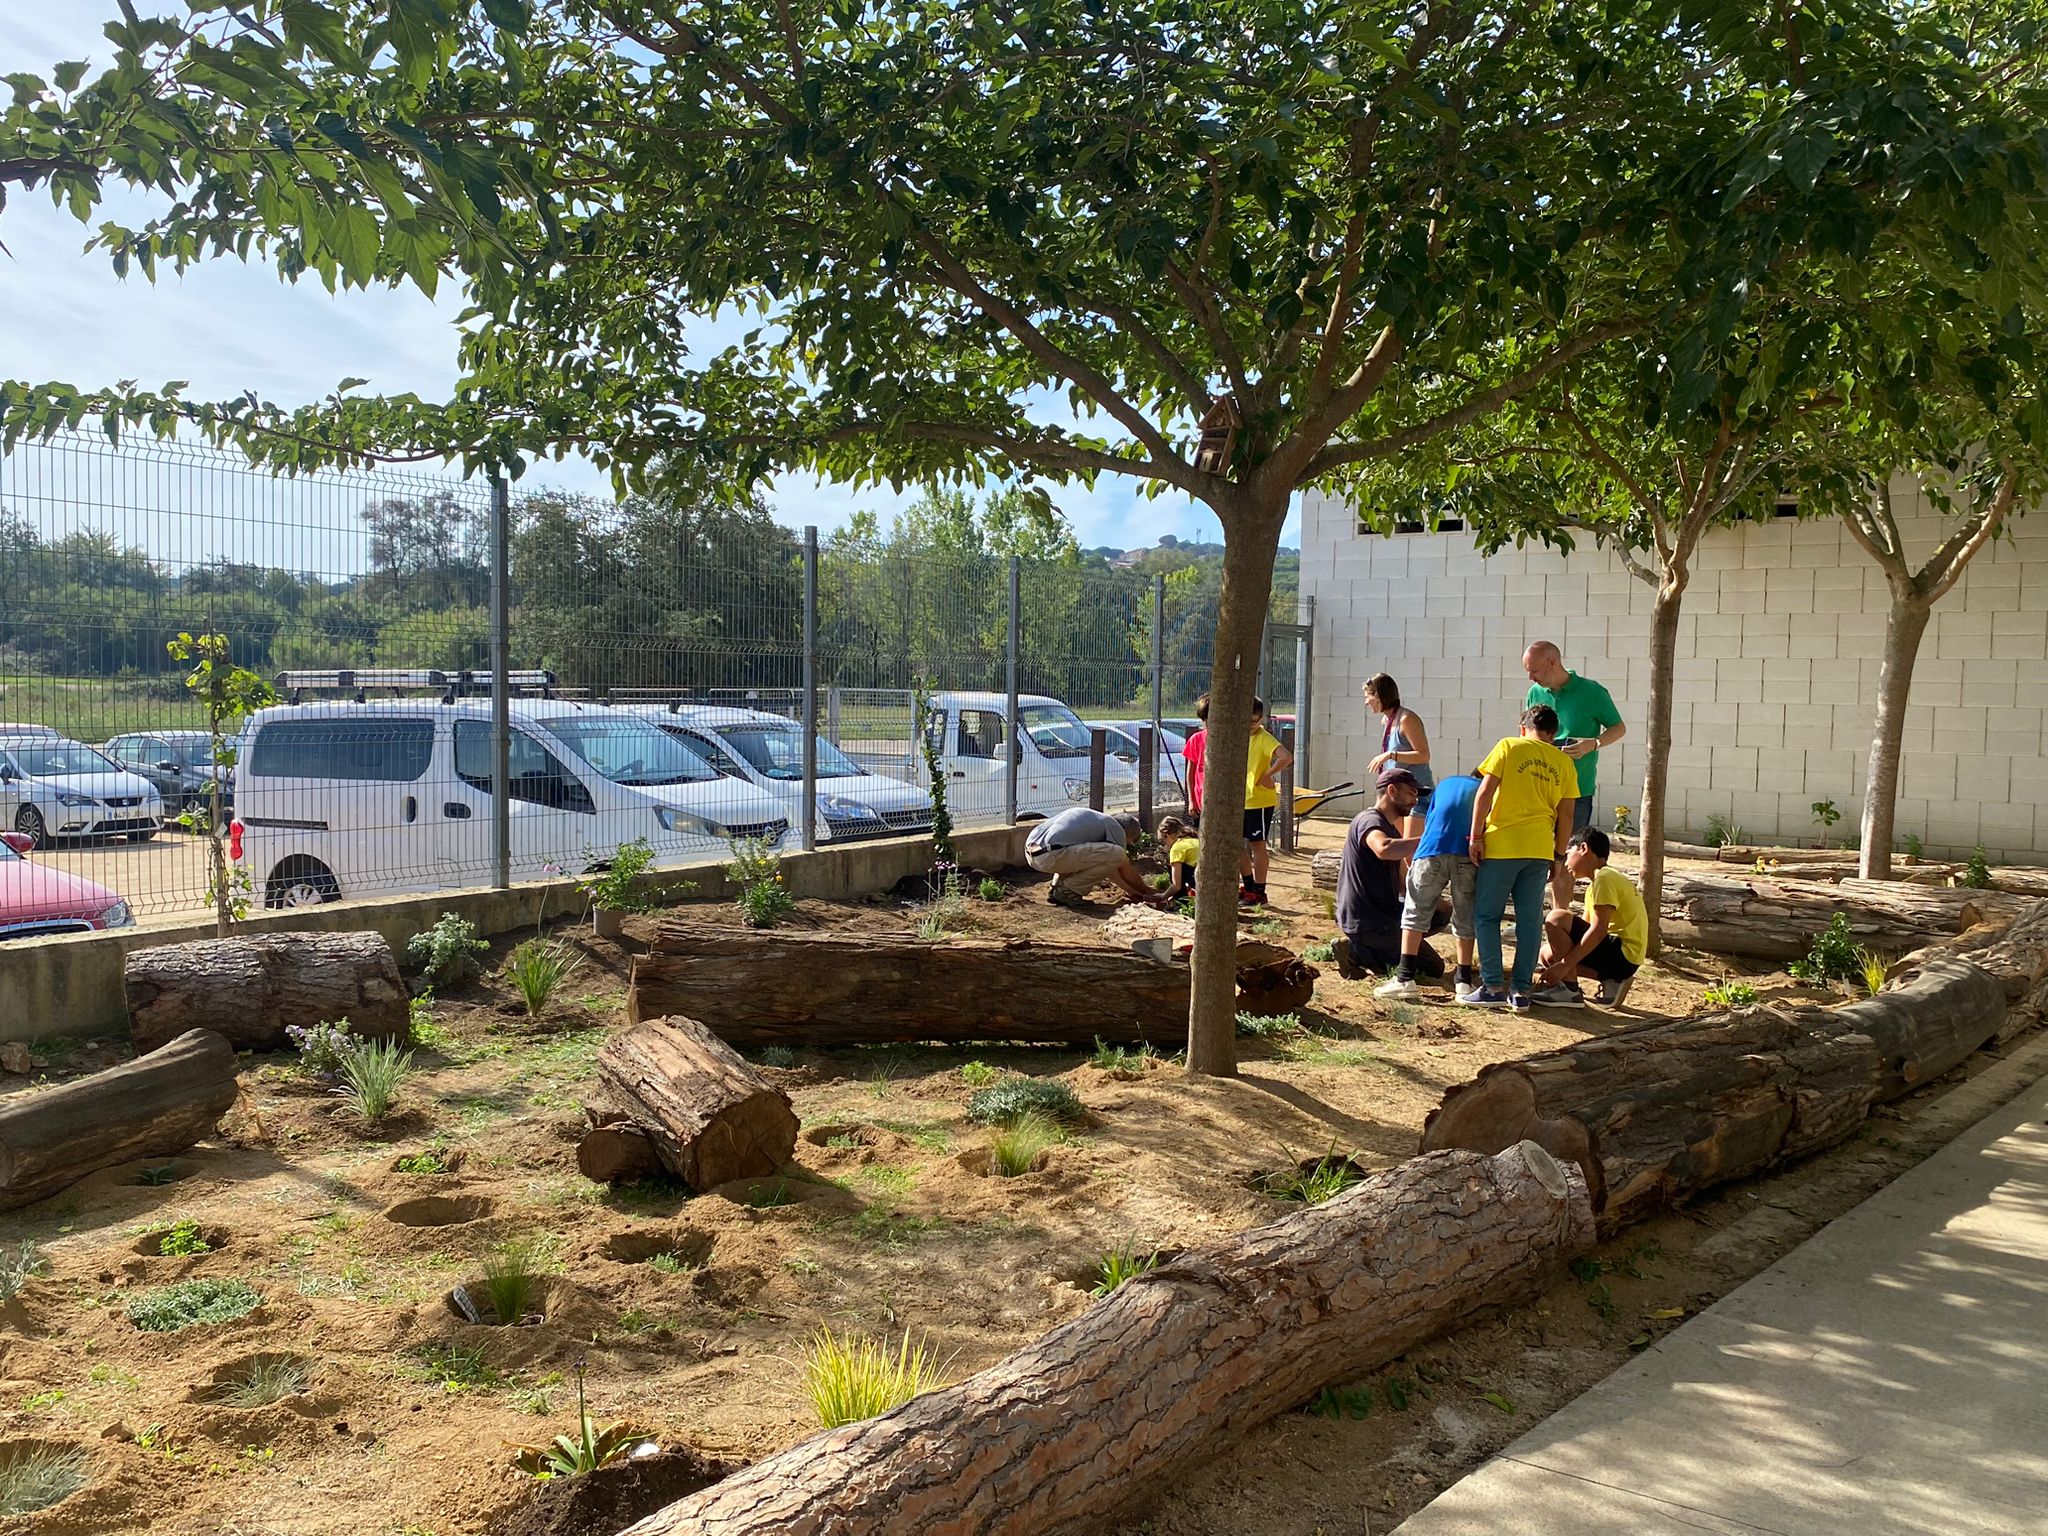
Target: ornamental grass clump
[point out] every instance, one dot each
(536, 968)
(1113, 1268)
(1017, 1148)
(853, 1378)
(262, 1381)
(512, 1278)
(34, 1477)
(370, 1075)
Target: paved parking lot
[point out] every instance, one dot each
(163, 880)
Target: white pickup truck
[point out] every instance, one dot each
(967, 730)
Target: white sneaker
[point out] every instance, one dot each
(1463, 990)
(1397, 990)
(1563, 995)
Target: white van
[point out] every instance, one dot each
(968, 734)
(350, 799)
(767, 751)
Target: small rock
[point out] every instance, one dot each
(117, 1431)
(14, 1058)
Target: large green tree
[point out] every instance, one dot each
(1044, 239)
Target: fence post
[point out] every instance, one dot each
(1158, 651)
(1010, 725)
(501, 683)
(1304, 691)
(832, 714)
(1287, 740)
(1098, 767)
(810, 808)
(1148, 760)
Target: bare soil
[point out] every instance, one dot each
(886, 1222)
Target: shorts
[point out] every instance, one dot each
(1258, 824)
(1582, 813)
(1428, 879)
(1607, 961)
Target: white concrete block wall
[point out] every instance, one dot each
(1778, 662)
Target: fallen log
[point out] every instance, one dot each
(852, 989)
(1095, 1418)
(154, 1106)
(1656, 1114)
(709, 1116)
(1271, 979)
(1777, 919)
(617, 1152)
(249, 989)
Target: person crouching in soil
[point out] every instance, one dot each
(1369, 896)
(1181, 845)
(1080, 849)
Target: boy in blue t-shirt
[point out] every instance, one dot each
(1442, 859)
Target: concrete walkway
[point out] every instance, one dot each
(1887, 1378)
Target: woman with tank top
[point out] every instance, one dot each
(1403, 741)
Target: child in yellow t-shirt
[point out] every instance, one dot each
(1264, 764)
(1609, 942)
(1181, 845)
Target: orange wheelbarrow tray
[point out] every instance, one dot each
(1308, 801)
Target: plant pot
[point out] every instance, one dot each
(607, 924)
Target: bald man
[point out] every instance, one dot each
(1586, 721)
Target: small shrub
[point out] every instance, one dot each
(421, 1027)
(447, 952)
(19, 1265)
(1624, 818)
(1012, 1099)
(1269, 928)
(1977, 870)
(768, 1197)
(433, 1160)
(1017, 1148)
(184, 1240)
(1113, 1268)
(1159, 882)
(1722, 831)
(1729, 994)
(991, 889)
(979, 1074)
(1322, 953)
(1831, 957)
(171, 1307)
(536, 968)
(1825, 816)
(34, 1477)
(322, 1047)
(931, 928)
(764, 900)
(670, 1263)
(156, 1178)
(1268, 1026)
(853, 1378)
(1910, 845)
(1872, 968)
(370, 1075)
(587, 1450)
(265, 1380)
(1329, 1175)
(949, 898)
(512, 1278)
(617, 887)
(778, 1056)
(1122, 1062)
(457, 1367)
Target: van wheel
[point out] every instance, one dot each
(300, 882)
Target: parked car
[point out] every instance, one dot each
(767, 751)
(968, 733)
(346, 799)
(19, 728)
(36, 899)
(178, 763)
(51, 787)
(1171, 773)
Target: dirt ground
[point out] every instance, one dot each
(407, 1427)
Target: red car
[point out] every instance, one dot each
(36, 899)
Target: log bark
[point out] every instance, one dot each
(249, 989)
(1777, 919)
(1655, 1115)
(617, 1153)
(850, 989)
(710, 1116)
(1094, 1419)
(154, 1106)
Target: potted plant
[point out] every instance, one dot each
(614, 890)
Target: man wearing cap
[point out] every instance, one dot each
(1369, 884)
(1080, 849)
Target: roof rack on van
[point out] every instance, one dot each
(453, 685)
(674, 698)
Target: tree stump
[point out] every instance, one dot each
(1094, 1419)
(710, 1117)
(844, 989)
(154, 1106)
(248, 989)
(1777, 919)
(1654, 1115)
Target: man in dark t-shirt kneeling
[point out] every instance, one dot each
(1369, 890)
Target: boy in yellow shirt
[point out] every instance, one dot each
(1608, 943)
(1520, 820)
(1262, 772)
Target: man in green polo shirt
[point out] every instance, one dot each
(1586, 721)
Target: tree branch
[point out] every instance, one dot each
(1945, 567)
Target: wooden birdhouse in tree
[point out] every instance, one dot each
(1219, 436)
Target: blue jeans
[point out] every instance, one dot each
(1527, 881)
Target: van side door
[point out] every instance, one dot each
(553, 816)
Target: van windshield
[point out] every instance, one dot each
(777, 752)
(630, 751)
(1055, 730)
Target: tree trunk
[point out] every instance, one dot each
(856, 989)
(1664, 615)
(1149, 1384)
(1251, 540)
(710, 1116)
(1777, 919)
(617, 1152)
(249, 989)
(154, 1106)
(1904, 628)
(1654, 1115)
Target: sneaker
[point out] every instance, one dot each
(1463, 990)
(1488, 997)
(1563, 995)
(1251, 898)
(1520, 1002)
(1347, 967)
(1060, 896)
(1399, 990)
(1614, 993)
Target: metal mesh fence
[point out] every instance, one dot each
(657, 649)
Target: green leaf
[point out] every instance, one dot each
(66, 76)
(510, 15)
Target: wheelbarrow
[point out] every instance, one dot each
(1308, 801)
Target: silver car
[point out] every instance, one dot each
(51, 787)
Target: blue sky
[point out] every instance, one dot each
(226, 328)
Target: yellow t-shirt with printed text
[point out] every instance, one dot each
(1534, 777)
(1609, 887)
(1183, 851)
(1257, 796)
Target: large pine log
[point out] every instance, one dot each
(250, 988)
(847, 989)
(711, 1117)
(1777, 919)
(1104, 1411)
(154, 1106)
(1656, 1114)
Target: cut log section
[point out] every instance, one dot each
(249, 989)
(617, 1152)
(157, 1105)
(709, 1116)
(847, 989)
(1097, 1417)
(1777, 919)
(1270, 978)
(1654, 1115)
